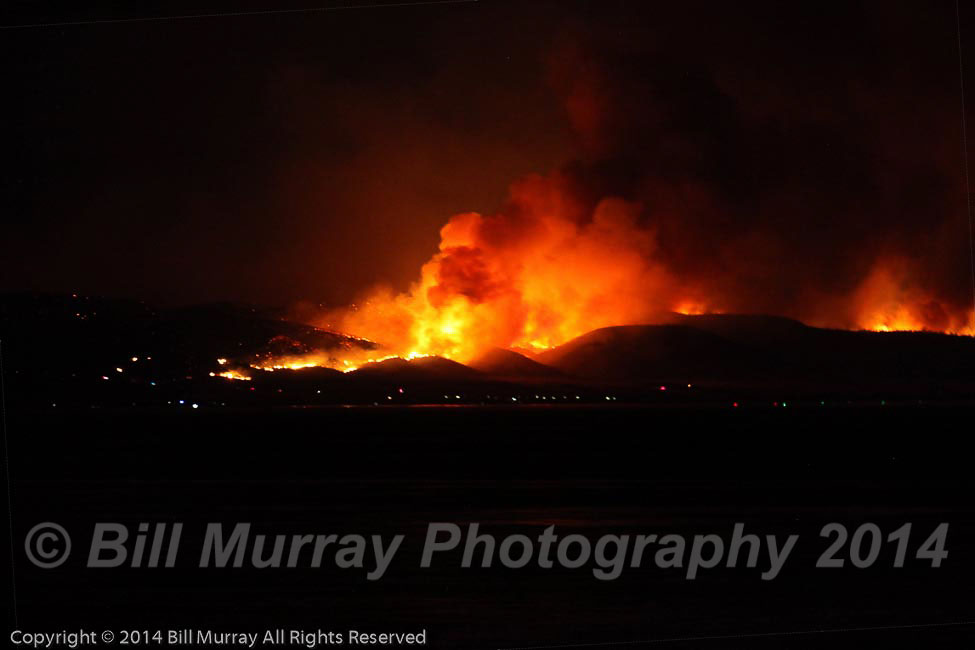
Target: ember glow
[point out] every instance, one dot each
(342, 359)
(233, 374)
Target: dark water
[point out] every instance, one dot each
(587, 470)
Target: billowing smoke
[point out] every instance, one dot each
(540, 272)
(698, 191)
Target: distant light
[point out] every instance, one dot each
(735, 404)
(134, 359)
(152, 383)
(883, 402)
(607, 398)
(196, 406)
(688, 385)
(389, 397)
(182, 402)
(104, 377)
(784, 404)
(663, 388)
(318, 392)
(401, 391)
(514, 399)
(118, 370)
(213, 374)
(222, 361)
(775, 403)
(457, 396)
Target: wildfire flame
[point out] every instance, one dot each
(540, 273)
(233, 374)
(531, 277)
(887, 301)
(545, 269)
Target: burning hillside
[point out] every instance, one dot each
(547, 269)
(696, 194)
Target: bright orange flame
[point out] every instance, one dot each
(693, 308)
(532, 277)
(233, 374)
(889, 301)
(343, 360)
(545, 270)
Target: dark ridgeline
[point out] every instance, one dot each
(79, 351)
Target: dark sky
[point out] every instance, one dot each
(305, 156)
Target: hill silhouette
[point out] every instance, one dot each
(86, 351)
(745, 348)
(507, 364)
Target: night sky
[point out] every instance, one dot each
(306, 156)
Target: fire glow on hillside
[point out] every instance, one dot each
(543, 271)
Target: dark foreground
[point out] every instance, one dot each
(586, 470)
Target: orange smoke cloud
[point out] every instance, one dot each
(686, 199)
(532, 276)
(889, 299)
(546, 269)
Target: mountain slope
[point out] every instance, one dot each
(511, 365)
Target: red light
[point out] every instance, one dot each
(663, 388)
(735, 404)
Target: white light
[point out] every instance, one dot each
(196, 406)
